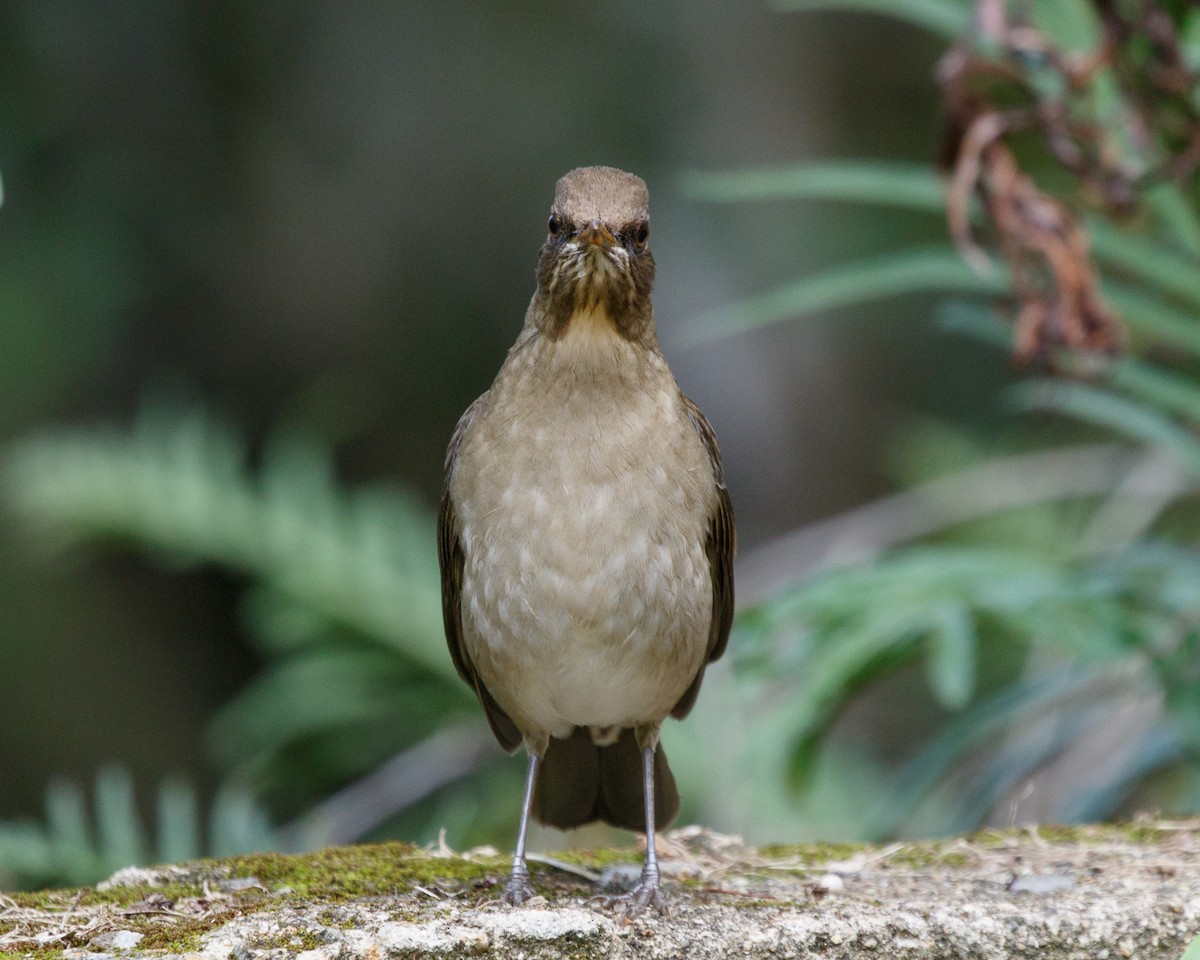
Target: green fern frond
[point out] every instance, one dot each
(74, 847)
(947, 18)
(907, 186)
(1126, 623)
(935, 269)
(178, 484)
(344, 598)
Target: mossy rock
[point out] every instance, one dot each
(1054, 893)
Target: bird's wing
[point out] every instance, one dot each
(450, 559)
(720, 545)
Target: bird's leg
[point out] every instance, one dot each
(647, 891)
(519, 888)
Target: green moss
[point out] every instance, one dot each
(812, 853)
(89, 896)
(950, 852)
(176, 936)
(759, 903)
(333, 916)
(916, 854)
(930, 853)
(334, 875)
(369, 870)
(159, 932)
(599, 860)
(294, 941)
(1138, 832)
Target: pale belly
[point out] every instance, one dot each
(587, 593)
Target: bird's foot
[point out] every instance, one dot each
(645, 893)
(519, 887)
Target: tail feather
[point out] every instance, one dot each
(568, 783)
(579, 782)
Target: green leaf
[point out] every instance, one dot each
(1029, 743)
(1071, 24)
(950, 664)
(995, 715)
(177, 483)
(1189, 43)
(178, 818)
(924, 270)
(1177, 214)
(371, 685)
(1159, 388)
(911, 186)
(68, 851)
(66, 815)
(846, 656)
(946, 18)
(1104, 408)
(238, 824)
(1153, 317)
(1192, 950)
(975, 319)
(1164, 269)
(1158, 748)
(122, 839)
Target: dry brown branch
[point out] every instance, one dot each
(1010, 84)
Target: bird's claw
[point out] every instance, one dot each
(646, 893)
(519, 888)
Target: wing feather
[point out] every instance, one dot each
(720, 545)
(451, 561)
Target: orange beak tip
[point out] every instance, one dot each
(598, 234)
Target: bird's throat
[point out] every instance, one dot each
(592, 322)
(594, 315)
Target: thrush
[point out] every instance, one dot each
(586, 535)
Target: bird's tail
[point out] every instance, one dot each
(579, 782)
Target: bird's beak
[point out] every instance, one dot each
(597, 233)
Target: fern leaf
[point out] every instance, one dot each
(928, 270)
(74, 848)
(179, 485)
(947, 18)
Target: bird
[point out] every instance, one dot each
(586, 535)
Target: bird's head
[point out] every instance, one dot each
(596, 265)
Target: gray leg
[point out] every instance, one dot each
(647, 891)
(519, 888)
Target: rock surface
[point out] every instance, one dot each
(1094, 893)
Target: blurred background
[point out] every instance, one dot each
(255, 259)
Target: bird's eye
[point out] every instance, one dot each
(641, 233)
(554, 225)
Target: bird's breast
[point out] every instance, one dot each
(583, 499)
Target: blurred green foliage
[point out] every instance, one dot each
(74, 848)
(1024, 650)
(1085, 623)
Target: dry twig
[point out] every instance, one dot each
(1011, 81)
